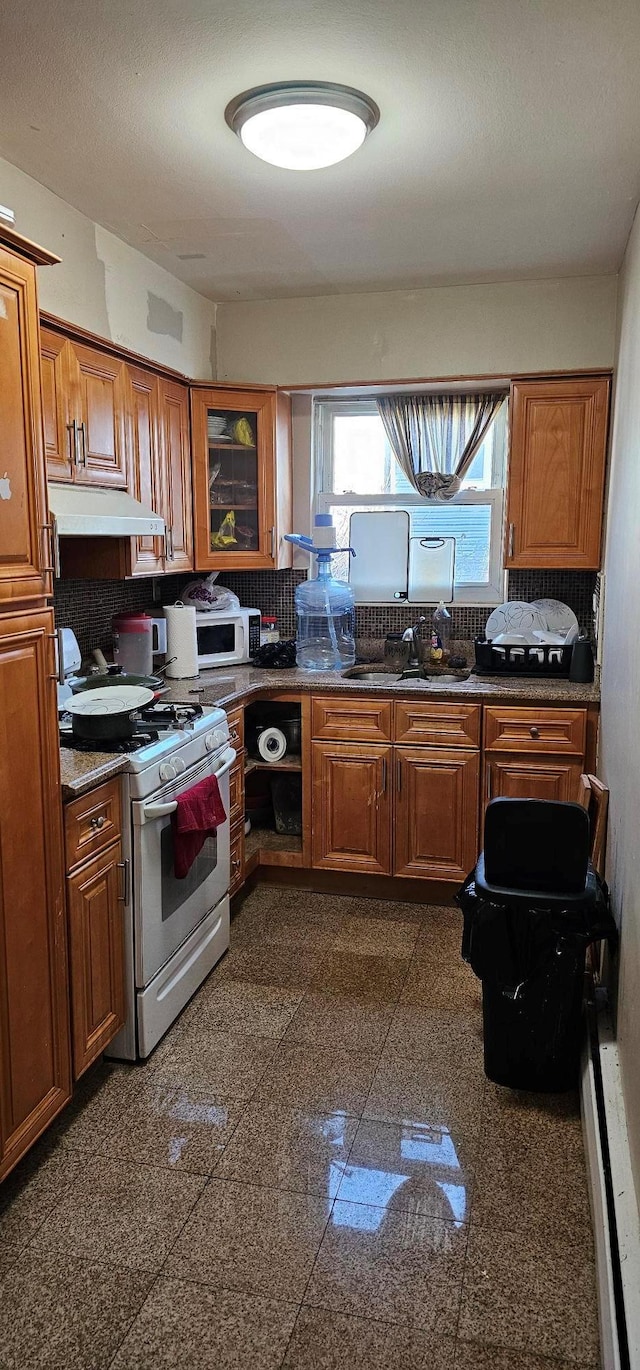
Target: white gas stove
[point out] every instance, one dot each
(175, 930)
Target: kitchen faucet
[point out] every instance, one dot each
(412, 635)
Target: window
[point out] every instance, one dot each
(355, 470)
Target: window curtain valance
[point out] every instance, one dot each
(435, 437)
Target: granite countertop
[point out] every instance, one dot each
(229, 686)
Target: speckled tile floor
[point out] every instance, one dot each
(310, 1172)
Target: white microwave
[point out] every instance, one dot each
(227, 639)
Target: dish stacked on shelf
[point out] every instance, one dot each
(528, 639)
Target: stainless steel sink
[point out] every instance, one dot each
(369, 675)
(375, 674)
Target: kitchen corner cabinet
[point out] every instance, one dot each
(161, 471)
(24, 542)
(241, 460)
(95, 903)
(556, 473)
(35, 1068)
(86, 415)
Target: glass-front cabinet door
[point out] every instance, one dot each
(234, 478)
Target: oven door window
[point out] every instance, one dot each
(167, 910)
(216, 639)
(176, 892)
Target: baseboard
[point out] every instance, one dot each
(611, 1188)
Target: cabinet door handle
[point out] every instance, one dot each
(512, 539)
(489, 781)
(123, 897)
(171, 546)
(72, 429)
(273, 544)
(83, 442)
(236, 863)
(98, 823)
(399, 776)
(384, 775)
(51, 555)
(534, 732)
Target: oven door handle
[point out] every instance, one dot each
(163, 810)
(160, 810)
(227, 760)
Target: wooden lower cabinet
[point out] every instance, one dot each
(436, 812)
(525, 776)
(352, 807)
(35, 1068)
(95, 896)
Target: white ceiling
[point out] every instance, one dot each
(508, 145)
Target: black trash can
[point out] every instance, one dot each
(531, 907)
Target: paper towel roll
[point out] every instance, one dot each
(182, 641)
(272, 744)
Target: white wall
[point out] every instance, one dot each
(619, 762)
(454, 330)
(107, 287)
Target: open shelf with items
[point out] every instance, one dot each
(274, 789)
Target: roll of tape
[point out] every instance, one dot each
(272, 744)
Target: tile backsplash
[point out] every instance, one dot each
(88, 606)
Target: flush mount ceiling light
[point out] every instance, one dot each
(302, 125)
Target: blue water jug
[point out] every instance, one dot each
(325, 609)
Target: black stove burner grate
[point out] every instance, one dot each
(118, 745)
(172, 713)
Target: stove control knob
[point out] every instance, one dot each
(179, 766)
(214, 740)
(167, 771)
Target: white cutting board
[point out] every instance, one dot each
(378, 572)
(431, 570)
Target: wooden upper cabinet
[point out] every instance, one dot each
(241, 479)
(556, 473)
(35, 1075)
(176, 446)
(24, 546)
(147, 553)
(352, 807)
(59, 436)
(98, 392)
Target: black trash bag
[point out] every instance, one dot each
(531, 962)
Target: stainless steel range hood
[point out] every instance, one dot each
(81, 512)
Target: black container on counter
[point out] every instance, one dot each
(582, 663)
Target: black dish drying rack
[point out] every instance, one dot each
(540, 658)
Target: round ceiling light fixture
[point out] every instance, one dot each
(302, 125)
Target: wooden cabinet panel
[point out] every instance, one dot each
(556, 472)
(92, 822)
(35, 1076)
(351, 807)
(23, 503)
(147, 553)
(437, 725)
(237, 856)
(59, 435)
(235, 719)
(98, 392)
(249, 480)
(236, 792)
(531, 777)
(535, 730)
(352, 718)
(96, 945)
(436, 819)
(177, 507)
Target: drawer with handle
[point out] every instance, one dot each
(437, 725)
(561, 731)
(92, 823)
